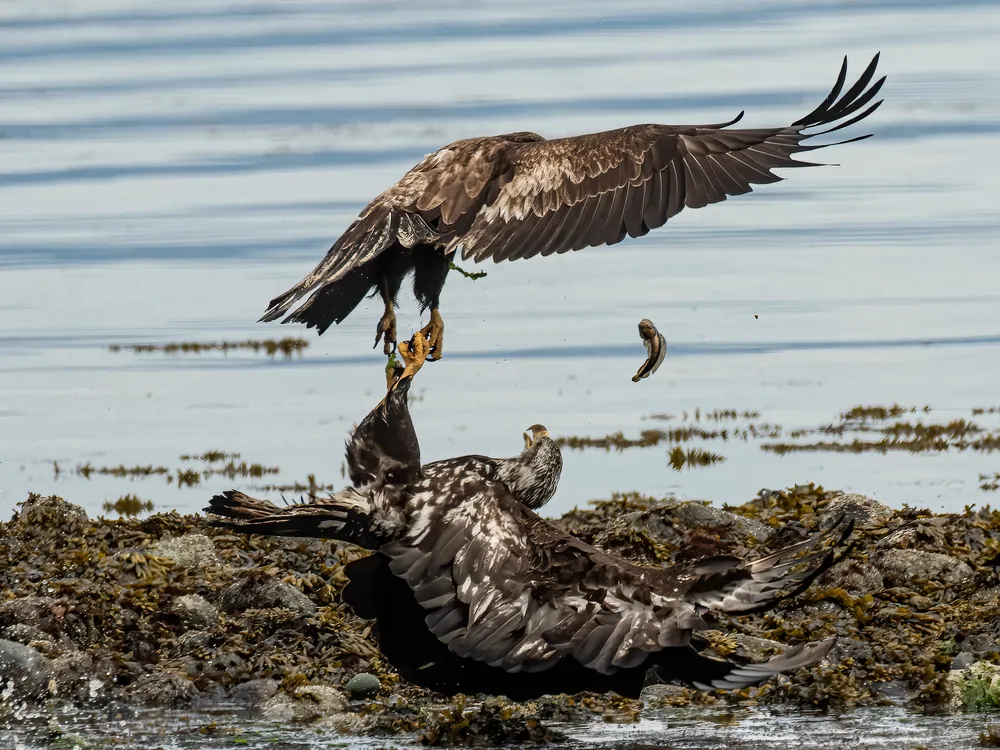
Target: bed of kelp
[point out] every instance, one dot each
(120, 616)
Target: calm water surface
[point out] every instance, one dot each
(166, 170)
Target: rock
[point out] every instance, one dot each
(164, 689)
(38, 611)
(696, 515)
(319, 704)
(851, 648)
(980, 643)
(51, 513)
(976, 688)
(853, 576)
(73, 676)
(256, 592)
(255, 692)
(963, 661)
(858, 508)
(900, 567)
(195, 612)
(896, 691)
(24, 672)
(362, 685)
(24, 633)
(192, 643)
(192, 551)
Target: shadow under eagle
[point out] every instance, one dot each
(472, 592)
(520, 195)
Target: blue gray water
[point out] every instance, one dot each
(166, 169)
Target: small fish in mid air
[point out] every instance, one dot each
(656, 349)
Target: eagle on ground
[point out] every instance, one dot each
(519, 195)
(471, 591)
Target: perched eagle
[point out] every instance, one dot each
(472, 592)
(519, 195)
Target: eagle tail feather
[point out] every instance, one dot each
(346, 516)
(708, 673)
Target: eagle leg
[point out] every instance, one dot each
(386, 328)
(434, 331)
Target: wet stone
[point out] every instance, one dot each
(362, 685)
(24, 672)
(900, 567)
(36, 611)
(854, 576)
(256, 593)
(163, 689)
(192, 551)
(255, 692)
(309, 703)
(195, 612)
(860, 509)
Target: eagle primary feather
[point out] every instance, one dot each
(520, 195)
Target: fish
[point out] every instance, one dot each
(656, 349)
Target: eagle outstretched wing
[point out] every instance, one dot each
(520, 195)
(506, 588)
(571, 193)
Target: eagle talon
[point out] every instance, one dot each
(386, 331)
(434, 331)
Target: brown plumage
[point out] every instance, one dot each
(519, 195)
(471, 591)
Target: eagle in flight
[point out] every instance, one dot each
(471, 591)
(519, 195)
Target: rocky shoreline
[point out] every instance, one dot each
(169, 612)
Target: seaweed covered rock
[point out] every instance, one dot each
(122, 617)
(900, 567)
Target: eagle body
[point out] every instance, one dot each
(471, 591)
(519, 195)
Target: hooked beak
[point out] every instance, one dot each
(527, 441)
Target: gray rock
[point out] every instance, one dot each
(255, 592)
(37, 611)
(853, 576)
(850, 648)
(163, 689)
(896, 691)
(695, 515)
(73, 675)
(255, 692)
(363, 685)
(963, 661)
(858, 508)
(319, 704)
(653, 693)
(23, 671)
(193, 642)
(195, 612)
(192, 551)
(902, 566)
(24, 633)
(980, 643)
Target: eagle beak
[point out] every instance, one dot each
(527, 441)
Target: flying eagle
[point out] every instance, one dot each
(519, 195)
(472, 592)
